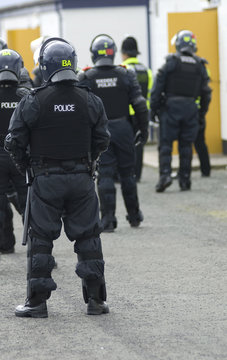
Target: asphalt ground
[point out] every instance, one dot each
(166, 283)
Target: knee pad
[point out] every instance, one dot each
(42, 264)
(90, 258)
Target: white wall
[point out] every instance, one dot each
(159, 25)
(222, 29)
(80, 26)
(159, 32)
(48, 22)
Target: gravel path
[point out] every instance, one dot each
(166, 283)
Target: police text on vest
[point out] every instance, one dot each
(104, 83)
(9, 105)
(65, 107)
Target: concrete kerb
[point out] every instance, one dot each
(218, 161)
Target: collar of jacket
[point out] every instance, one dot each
(131, 60)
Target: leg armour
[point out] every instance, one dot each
(165, 159)
(202, 151)
(3, 208)
(107, 195)
(9, 238)
(40, 266)
(185, 161)
(90, 267)
(129, 192)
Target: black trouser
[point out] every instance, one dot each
(120, 154)
(178, 121)
(139, 161)
(67, 198)
(9, 173)
(8, 239)
(202, 151)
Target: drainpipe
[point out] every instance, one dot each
(149, 33)
(58, 5)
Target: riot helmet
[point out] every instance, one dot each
(103, 49)
(3, 44)
(185, 41)
(57, 60)
(129, 47)
(35, 46)
(11, 64)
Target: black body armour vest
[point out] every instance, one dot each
(63, 130)
(8, 103)
(185, 79)
(109, 84)
(142, 77)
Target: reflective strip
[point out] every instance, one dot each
(129, 63)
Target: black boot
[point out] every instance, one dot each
(164, 182)
(135, 219)
(185, 184)
(8, 251)
(94, 293)
(109, 223)
(31, 310)
(97, 307)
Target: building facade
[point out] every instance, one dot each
(151, 22)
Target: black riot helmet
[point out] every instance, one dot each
(129, 46)
(11, 64)
(3, 44)
(103, 49)
(57, 60)
(185, 41)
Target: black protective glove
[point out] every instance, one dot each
(18, 156)
(140, 138)
(202, 122)
(154, 117)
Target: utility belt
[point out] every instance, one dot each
(47, 166)
(179, 97)
(122, 118)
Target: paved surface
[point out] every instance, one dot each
(218, 161)
(166, 282)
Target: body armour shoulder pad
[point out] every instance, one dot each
(84, 87)
(169, 57)
(86, 74)
(35, 90)
(202, 60)
(122, 69)
(22, 91)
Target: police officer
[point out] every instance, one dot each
(11, 93)
(173, 98)
(117, 87)
(25, 79)
(12, 196)
(65, 128)
(129, 52)
(200, 143)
